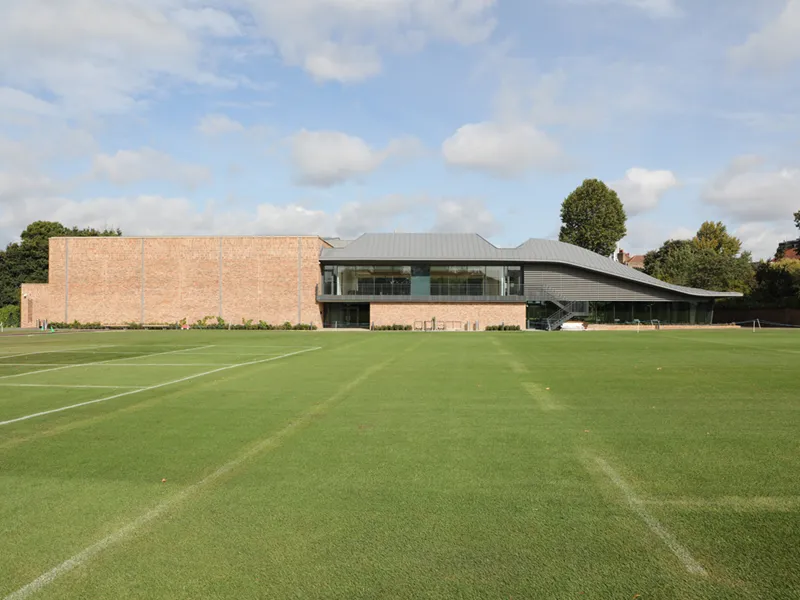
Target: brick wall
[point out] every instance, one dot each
(484, 314)
(35, 303)
(163, 280)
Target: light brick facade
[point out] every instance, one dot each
(35, 305)
(484, 314)
(115, 281)
(120, 280)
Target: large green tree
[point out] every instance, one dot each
(673, 262)
(715, 237)
(27, 261)
(797, 219)
(712, 260)
(777, 284)
(593, 217)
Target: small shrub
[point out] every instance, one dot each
(503, 328)
(10, 316)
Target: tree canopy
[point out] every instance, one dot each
(797, 219)
(673, 262)
(715, 237)
(712, 260)
(593, 217)
(27, 261)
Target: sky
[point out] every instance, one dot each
(339, 117)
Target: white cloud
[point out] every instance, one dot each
(160, 215)
(505, 149)
(218, 124)
(342, 40)
(748, 192)
(325, 158)
(18, 187)
(209, 21)
(774, 46)
(759, 200)
(643, 235)
(336, 63)
(641, 189)
(763, 239)
(131, 166)
(96, 55)
(657, 9)
(466, 216)
(682, 233)
(17, 100)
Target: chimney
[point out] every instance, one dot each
(621, 256)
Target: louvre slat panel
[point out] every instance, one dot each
(570, 283)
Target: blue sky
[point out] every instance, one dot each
(338, 117)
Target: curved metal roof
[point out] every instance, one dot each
(470, 247)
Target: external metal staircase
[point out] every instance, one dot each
(567, 312)
(567, 309)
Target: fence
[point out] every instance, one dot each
(784, 316)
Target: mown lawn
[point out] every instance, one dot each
(400, 465)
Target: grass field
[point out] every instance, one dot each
(400, 465)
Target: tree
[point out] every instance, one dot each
(712, 260)
(715, 237)
(9, 316)
(721, 272)
(593, 217)
(28, 261)
(673, 262)
(797, 219)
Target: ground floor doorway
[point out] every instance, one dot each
(345, 316)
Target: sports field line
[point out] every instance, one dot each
(4, 356)
(152, 387)
(734, 344)
(637, 505)
(101, 362)
(733, 503)
(108, 364)
(517, 367)
(139, 353)
(64, 385)
(542, 396)
(269, 443)
(500, 349)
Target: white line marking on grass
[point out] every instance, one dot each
(272, 441)
(543, 397)
(107, 364)
(63, 385)
(5, 356)
(101, 362)
(152, 387)
(517, 367)
(733, 503)
(638, 506)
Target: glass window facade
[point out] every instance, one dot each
(422, 280)
(676, 313)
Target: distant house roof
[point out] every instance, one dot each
(636, 261)
(470, 247)
(792, 253)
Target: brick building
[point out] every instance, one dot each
(457, 281)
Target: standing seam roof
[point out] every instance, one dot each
(439, 247)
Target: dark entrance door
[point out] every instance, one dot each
(345, 316)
